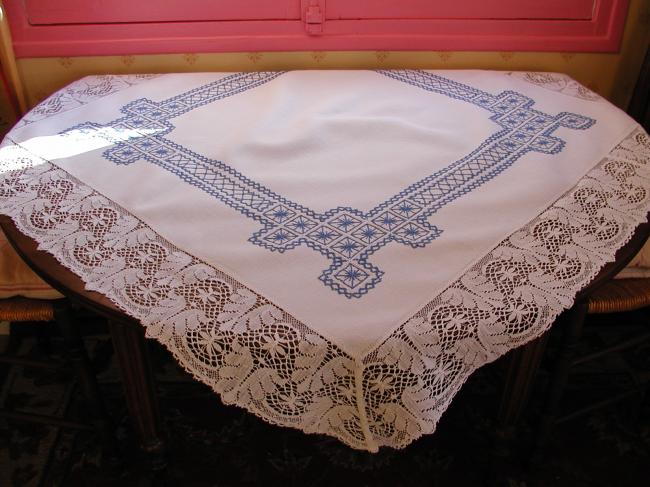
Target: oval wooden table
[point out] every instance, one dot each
(130, 347)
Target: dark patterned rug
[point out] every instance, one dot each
(214, 445)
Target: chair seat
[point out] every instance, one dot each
(17, 279)
(619, 295)
(24, 309)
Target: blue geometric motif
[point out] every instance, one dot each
(346, 236)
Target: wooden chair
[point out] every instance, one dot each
(615, 296)
(60, 314)
(53, 310)
(610, 296)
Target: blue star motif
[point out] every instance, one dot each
(126, 156)
(352, 276)
(509, 144)
(344, 222)
(532, 128)
(410, 231)
(368, 233)
(301, 224)
(145, 144)
(388, 220)
(280, 237)
(406, 208)
(347, 247)
(161, 152)
(280, 213)
(137, 122)
(324, 235)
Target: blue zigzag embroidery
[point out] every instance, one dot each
(346, 236)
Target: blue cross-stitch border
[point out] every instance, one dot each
(346, 236)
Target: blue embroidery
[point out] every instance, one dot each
(346, 236)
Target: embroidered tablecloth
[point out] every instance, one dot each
(335, 251)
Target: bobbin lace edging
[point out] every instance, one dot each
(255, 355)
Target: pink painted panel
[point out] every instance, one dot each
(466, 9)
(46, 12)
(601, 32)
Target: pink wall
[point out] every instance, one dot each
(88, 27)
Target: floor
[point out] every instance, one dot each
(214, 445)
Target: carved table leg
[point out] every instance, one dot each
(522, 369)
(575, 322)
(523, 366)
(131, 351)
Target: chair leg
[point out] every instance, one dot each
(44, 340)
(575, 322)
(139, 389)
(78, 357)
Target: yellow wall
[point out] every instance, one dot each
(611, 75)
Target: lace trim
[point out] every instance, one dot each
(558, 82)
(257, 356)
(509, 298)
(81, 92)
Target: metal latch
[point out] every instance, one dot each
(314, 17)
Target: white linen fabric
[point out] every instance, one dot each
(335, 251)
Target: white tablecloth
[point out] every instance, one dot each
(333, 250)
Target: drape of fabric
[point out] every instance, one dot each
(335, 251)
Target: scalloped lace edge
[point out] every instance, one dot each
(255, 355)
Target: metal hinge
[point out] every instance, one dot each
(314, 16)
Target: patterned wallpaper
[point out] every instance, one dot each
(610, 75)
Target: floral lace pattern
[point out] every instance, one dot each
(81, 92)
(256, 355)
(508, 298)
(558, 82)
